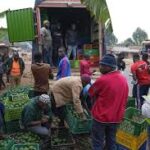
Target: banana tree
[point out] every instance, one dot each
(99, 10)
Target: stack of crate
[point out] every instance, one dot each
(132, 133)
(93, 53)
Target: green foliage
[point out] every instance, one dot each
(139, 35)
(99, 10)
(128, 42)
(110, 39)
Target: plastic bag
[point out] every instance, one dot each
(146, 107)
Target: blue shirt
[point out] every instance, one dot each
(64, 69)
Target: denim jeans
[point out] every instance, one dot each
(104, 133)
(40, 130)
(47, 56)
(72, 48)
(141, 91)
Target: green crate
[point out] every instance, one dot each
(61, 139)
(12, 127)
(31, 146)
(131, 102)
(131, 126)
(25, 137)
(6, 144)
(91, 52)
(13, 110)
(76, 125)
(74, 63)
(13, 114)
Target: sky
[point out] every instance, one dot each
(126, 15)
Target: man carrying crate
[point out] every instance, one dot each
(68, 90)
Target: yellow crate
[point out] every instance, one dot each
(130, 141)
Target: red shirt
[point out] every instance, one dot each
(85, 67)
(140, 69)
(111, 93)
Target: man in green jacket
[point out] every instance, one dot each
(36, 115)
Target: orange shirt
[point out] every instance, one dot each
(15, 71)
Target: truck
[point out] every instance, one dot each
(25, 24)
(145, 47)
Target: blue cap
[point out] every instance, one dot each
(109, 60)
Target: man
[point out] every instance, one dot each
(41, 73)
(68, 90)
(71, 41)
(46, 43)
(85, 66)
(64, 69)
(57, 42)
(141, 75)
(120, 63)
(145, 58)
(5, 58)
(1, 74)
(2, 109)
(15, 67)
(109, 103)
(36, 115)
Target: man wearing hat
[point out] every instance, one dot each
(46, 40)
(109, 95)
(36, 115)
(15, 67)
(68, 90)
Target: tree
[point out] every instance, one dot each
(139, 35)
(128, 42)
(110, 39)
(99, 10)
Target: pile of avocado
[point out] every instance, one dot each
(26, 137)
(4, 144)
(55, 121)
(15, 104)
(61, 137)
(58, 141)
(74, 113)
(25, 147)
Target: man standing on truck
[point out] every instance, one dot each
(71, 41)
(109, 103)
(57, 43)
(46, 43)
